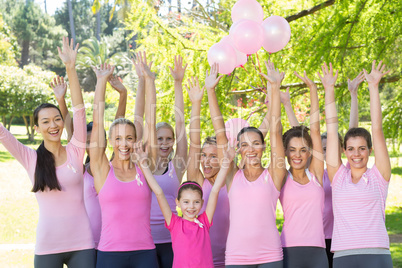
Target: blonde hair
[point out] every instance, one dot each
(122, 121)
(164, 125)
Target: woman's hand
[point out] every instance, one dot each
(194, 91)
(376, 74)
(328, 79)
(179, 70)
(104, 71)
(68, 54)
(212, 78)
(59, 87)
(116, 83)
(354, 84)
(306, 80)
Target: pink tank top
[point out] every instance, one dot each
(302, 210)
(328, 214)
(170, 185)
(359, 210)
(92, 207)
(126, 210)
(219, 231)
(253, 237)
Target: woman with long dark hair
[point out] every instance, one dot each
(63, 234)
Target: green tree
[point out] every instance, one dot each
(8, 45)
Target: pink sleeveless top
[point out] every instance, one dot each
(170, 185)
(219, 231)
(359, 210)
(126, 210)
(302, 211)
(328, 214)
(253, 237)
(92, 207)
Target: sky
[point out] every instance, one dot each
(51, 5)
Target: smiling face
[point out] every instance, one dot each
(50, 124)
(251, 148)
(122, 138)
(357, 152)
(165, 140)
(298, 153)
(190, 203)
(209, 160)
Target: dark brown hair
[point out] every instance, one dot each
(250, 129)
(45, 170)
(189, 185)
(324, 136)
(358, 132)
(297, 132)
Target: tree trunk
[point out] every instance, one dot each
(98, 25)
(179, 6)
(9, 122)
(26, 124)
(32, 134)
(45, 7)
(70, 15)
(4, 120)
(24, 53)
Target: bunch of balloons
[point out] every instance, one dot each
(249, 32)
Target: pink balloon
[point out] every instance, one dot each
(247, 36)
(276, 33)
(241, 58)
(224, 55)
(233, 127)
(247, 9)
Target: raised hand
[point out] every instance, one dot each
(328, 79)
(59, 87)
(68, 54)
(138, 63)
(306, 80)
(194, 91)
(376, 74)
(140, 154)
(229, 153)
(179, 70)
(116, 83)
(285, 96)
(354, 84)
(273, 75)
(146, 68)
(104, 71)
(211, 79)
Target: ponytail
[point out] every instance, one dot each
(45, 171)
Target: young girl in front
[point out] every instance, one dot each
(190, 233)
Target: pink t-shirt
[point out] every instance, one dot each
(63, 222)
(170, 185)
(125, 210)
(359, 210)
(328, 214)
(302, 210)
(191, 243)
(92, 206)
(253, 236)
(218, 232)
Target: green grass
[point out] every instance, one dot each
(393, 220)
(396, 253)
(397, 171)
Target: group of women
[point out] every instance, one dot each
(121, 212)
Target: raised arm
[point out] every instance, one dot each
(353, 86)
(285, 100)
(333, 157)
(194, 154)
(68, 55)
(141, 157)
(277, 167)
(149, 137)
(382, 161)
(99, 162)
(140, 94)
(180, 159)
(117, 85)
(60, 88)
(226, 163)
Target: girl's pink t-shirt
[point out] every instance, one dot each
(63, 222)
(126, 208)
(253, 236)
(302, 211)
(92, 206)
(170, 185)
(328, 214)
(191, 243)
(359, 210)
(219, 231)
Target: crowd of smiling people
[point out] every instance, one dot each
(121, 212)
